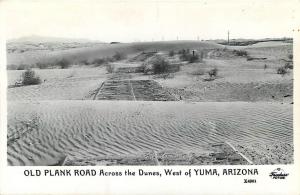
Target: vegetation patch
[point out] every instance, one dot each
(19, 67)
(198, 72)
(171, 53)
(64, 63)
(110, 68)
(240, 53)
(30, 78)
(282, 71)
(156, 65)
(119, 56)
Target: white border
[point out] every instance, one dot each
(12, 179)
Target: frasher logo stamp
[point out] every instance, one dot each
(278, 174)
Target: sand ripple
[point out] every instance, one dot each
(41, 133)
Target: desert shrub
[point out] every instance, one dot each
(288, 65)
(18, 67)
(146, 68)
(29, 78)
(119, 56)
(110, 68)
(23, 67)
(182, 51)
(41, 65)
(11, 67)
(189, 57)
(109, 59)
(193, 58)
(64, 63)
(160, 65)
(99, 61)
(164, 76)
(213, 72)
(198, 72)
(171, 53)
(85, 62)
(156, 65)
(240, 52)
(281, 70)
(183, 57)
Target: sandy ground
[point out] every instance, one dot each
(40, 133)
(246, 105)
(59, 84)
(238, 79)
(100, 51)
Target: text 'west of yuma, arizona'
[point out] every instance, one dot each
(140, 172)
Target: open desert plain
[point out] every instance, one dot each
(150, 103)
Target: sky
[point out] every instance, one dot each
(131, 20)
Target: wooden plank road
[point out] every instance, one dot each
(134, 90)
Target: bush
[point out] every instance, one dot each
(64, 63)
(157, 64)
(186, 56)
(110, 68)
(23, 67)
(41, 65)
(193, 58)
(160, 65)
(11, 67)
(29, 78)
(198, 72)
(288, 65)
(119, 56)
(99, 61)
(85, 62)
(213, 72)
(164, 76)
(171, 53)
(108, 59)
(183, 51)
(281, 70)
(240, 52)
(183, 57)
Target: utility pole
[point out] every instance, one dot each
(228, 38)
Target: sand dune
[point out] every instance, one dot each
(60, 84)
(41, 133)
(46, 122)
(105, 50)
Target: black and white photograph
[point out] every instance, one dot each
(156, 83)
(149, 97)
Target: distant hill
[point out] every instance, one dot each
(245, 42)
(42, 39)
(95, 51)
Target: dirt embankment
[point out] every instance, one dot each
(224, 92)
